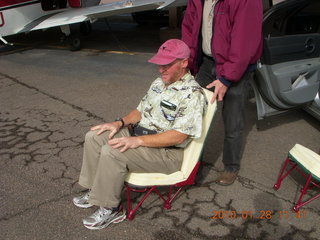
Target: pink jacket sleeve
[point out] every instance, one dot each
(246, 38)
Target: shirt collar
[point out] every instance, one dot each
(185, 77)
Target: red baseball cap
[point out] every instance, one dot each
(169, 51)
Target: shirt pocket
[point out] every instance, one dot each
(169, 110)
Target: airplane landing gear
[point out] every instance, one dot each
(74, 43)
(73, 40)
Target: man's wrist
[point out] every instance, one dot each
(225, 82)
(140, 140)
(121, 121)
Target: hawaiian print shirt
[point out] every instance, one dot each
(179, 106)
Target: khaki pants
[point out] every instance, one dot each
(104, 168)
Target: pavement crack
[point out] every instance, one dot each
(250, 184)
(53, 200)
(88, 113)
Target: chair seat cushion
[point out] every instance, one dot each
(150, 179)
(308, 160)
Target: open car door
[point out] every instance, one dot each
(289, 73)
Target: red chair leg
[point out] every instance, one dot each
(167, 202)
(131, 212)
(175, 195)
(282, 175)
(304, 191)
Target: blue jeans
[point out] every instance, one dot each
(233, 113)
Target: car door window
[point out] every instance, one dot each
(305, 21)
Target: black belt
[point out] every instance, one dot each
(173, 147)
(140, 131)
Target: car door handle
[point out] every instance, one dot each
(310, 45)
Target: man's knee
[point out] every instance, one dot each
(92, 136)
(89, 136)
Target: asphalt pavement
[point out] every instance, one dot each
(50, 97)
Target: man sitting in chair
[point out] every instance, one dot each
(168, 116)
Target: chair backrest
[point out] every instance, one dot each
(193, 151)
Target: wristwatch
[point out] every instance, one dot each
(122, 122)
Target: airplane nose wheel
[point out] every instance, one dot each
(74, 43)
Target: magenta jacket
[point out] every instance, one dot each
(237, 39)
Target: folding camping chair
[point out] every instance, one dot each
(148, 182)
(307, 163)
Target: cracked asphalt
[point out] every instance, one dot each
(50, 97)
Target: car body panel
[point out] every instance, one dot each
(288, 75)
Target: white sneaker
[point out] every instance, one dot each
(103, 217)
(82, 201)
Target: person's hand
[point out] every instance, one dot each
(113, 127)
(125, 143)
(219, 90)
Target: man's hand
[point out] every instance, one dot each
(125, 143)
(113, 127)
(219, 90)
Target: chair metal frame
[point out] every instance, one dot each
(149, 189)
(307, 186)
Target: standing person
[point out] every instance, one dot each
(166, 120)
(225, 39)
